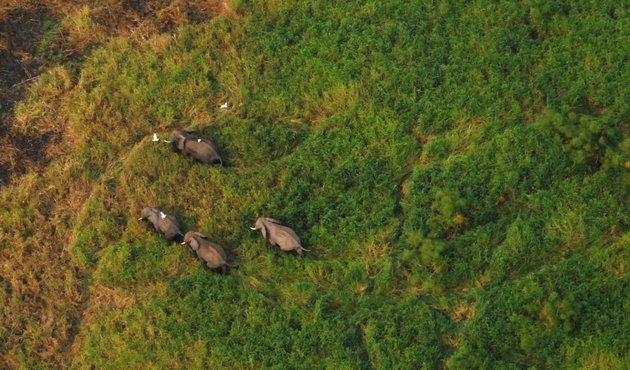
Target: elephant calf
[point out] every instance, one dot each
(278, 234)
(183, 140)
(162, 223)
(212, 253)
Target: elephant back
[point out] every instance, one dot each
(285, 236)
(202, 150)
(211, 255)
(219, 250)
(168, 226)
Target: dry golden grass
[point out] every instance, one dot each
(374, 251)
(453, 341)
(483, 279)
(82, 29)
(36, 133)
(463, 311)
(4, 41)
(599, 360)
(45, 299)
(103, 297)
(8, 6)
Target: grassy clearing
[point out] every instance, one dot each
(459, 171)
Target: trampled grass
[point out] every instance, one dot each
(459, 172)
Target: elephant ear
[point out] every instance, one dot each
(273, 220)
(200, 235)
(188, 130)
(264, 231)
(181, 141)
(178, 140)
(194, 244)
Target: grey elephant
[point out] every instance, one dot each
(164, 224)
(185, 141)
(279, 235)
(211, 253)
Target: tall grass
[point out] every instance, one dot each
(458, 170)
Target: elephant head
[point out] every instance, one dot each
(179, 137)
(278, 234)
(262, 225)
(211, 253)
(151, 214)
(164, 224)
(192, 239)
(183, 140)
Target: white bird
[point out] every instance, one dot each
(155, 138)
(162, 215)
(224, 105)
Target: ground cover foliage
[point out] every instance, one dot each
(37, 35)
(460, 171)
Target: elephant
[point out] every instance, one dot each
(212, 253)
(278, 234)
(164, 224)
(183, 140)
(179, 136)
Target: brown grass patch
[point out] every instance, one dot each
(483, 280)
(453, 341)
(463, 311)
(103, 298)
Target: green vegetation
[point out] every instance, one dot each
(460, 170)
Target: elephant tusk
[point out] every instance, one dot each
(140, 219)
(167, 141)
(182, 243)
(252, 228)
